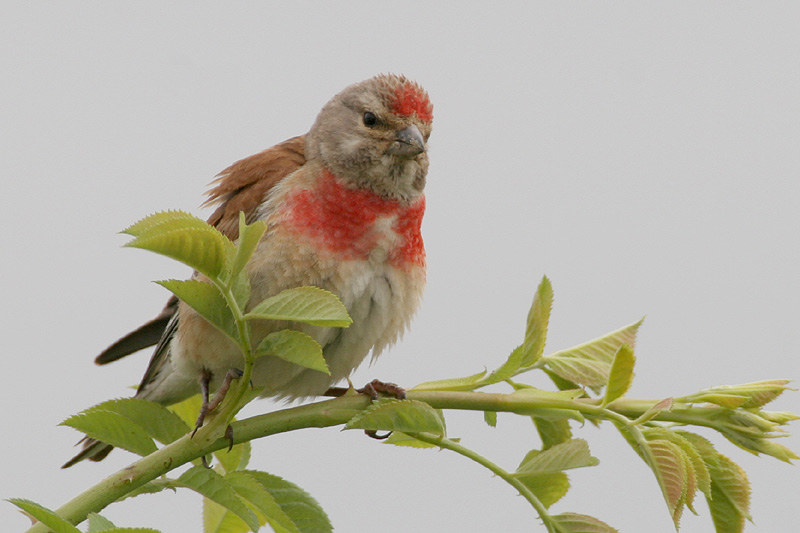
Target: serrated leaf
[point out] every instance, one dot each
(295, 347)
(552, 432)
(159, 422)
(730, 495)
(590, 363)
(98, 523)
(564, 456)
(311, 305)
(536, 326)
(621, 375)
(204, 249)
(408, 416)
(668, 463)
(240, 287)
(398, 438)
(652, 412)
(746, 395)
(187, 409)
(490, 417)
(206, 299)
(452, 384)
(213, 486)
(699, 476)
(581, 523)
(164, 219)
(150, 487)
(45, 516)
(113, 428)
(548, 488)
(305, 512)
(504, 371)
(250, 490)
(249, 237)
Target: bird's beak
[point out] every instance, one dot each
(408, 143)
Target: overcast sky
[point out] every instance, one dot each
(644, 155)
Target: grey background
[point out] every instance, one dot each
(644, 155)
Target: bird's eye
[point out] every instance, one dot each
(370, 119)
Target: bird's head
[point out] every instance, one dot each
(374, 136)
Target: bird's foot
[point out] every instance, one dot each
(376, 387)
(208, 406)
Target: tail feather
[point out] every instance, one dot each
(143, 337)
(93, 450)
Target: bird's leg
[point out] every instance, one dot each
(208, 406)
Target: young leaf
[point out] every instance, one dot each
(581, 523)
(204, 249)
(571, 454)
(311, 305)
(621, 375)
(730, 495)
(187, 409)
(590, 363)
(305, 512)
(538, 319)
(295, 347)
(45, 516)
(490, 417)
(213, 486)
(408, 416)
(249, 237)
(113, 428)
(699, 476)
(453, 384)
(552, 432)
(548, 488)
(668, 463)
(98, 523)
(157, 222)
(253, 492)
(206, 299)
(217, 519)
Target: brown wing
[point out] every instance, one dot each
(244, 185)
(240, 187)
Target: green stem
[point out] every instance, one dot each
(509, 478)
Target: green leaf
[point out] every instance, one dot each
(652, 412)
(548, 488)
(253, 492)
(668, 463)
(536, 327)
(206, 299)
(295, 347)
(552, 432)
(305, 512)
(159, 422)
(398, 438)
(621, 375)
(45, 516)
(506, 371)
(204, 248)
(187, 409)
(453, 384)
(590, 363)
(132, 530)
(249, 237)
(235, 459)
(697, 472)
(213, 486)
(408, 416)
(581, 523)
(746, 395)
(113, 428)
(98, 523)
(311, 305)
(490, 417)
(730, 495)
(217, 519)
(571, 454)
(164, 220)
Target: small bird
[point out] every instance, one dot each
(343, 206)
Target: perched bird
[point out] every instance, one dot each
(343, 206)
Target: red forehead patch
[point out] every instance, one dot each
(410, 99)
